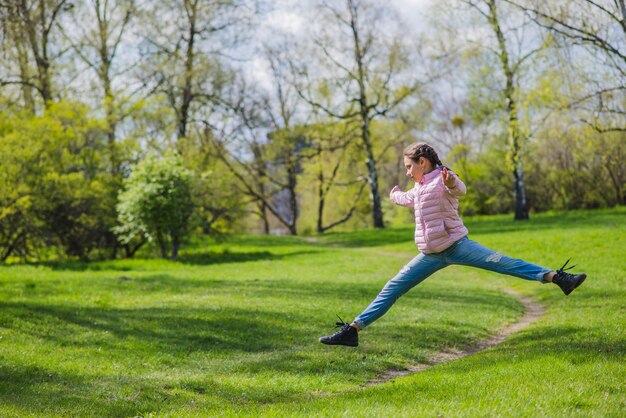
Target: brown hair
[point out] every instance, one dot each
(415, 151)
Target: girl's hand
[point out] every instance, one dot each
(396, 189)
(448, 178)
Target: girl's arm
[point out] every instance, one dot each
(453, 183)
(401, 198)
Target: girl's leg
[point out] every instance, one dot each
(470, 253)
(418, 269)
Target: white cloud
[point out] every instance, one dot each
(287, 21)
(413, 12)
(291, 17)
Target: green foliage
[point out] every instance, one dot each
(217, 198)
(487, 177)
(331, 178)
(485, 97)
(15, 197)
(568, 168)
(577, 168)
(57, 183)
(153, 122)
(156, 203)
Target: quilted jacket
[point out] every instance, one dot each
(437, 221)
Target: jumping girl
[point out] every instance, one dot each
(442, 240)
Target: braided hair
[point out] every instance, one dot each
(415, 151)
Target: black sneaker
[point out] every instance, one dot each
(566, 281)
(347, 335)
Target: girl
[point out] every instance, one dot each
(442, 240)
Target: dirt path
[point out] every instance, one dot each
(533, 310)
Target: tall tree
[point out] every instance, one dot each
(332, 143)
(599, 27)
(271, 131)
(15, 50)
(360, 75)
(185, 56)
(511, 66)
(98, 29)
(32, 26)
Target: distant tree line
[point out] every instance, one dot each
(128, 122)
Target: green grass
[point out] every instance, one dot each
(232, 328)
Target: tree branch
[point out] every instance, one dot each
(348, 215)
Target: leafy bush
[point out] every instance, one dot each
(156, 204)
(57, 189)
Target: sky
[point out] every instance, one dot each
(291, 17)
(412, 9)
(288, 15)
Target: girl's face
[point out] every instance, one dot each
(414, 170)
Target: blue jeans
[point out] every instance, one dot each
(463, 252)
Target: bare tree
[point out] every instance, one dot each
(275, 145)
(15, 49)
(30, 25)
(511, 66)
(96, 35)
(360, 77)
(600, 27)
(328, 145)
(185, 58)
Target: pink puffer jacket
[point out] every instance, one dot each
(437, 221)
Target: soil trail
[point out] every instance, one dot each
(533, 310)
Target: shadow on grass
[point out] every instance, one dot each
(247, 327)
(246, 324)
(287, 289)
(36, 391)
(133, 344)
(577, 344)
(163, 338)
(172, 330)
(204, 258)
(226, 256)
(253, 339)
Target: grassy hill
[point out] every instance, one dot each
(232, 328)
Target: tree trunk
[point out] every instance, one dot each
(377, 212)
(162, 245)
(521, 207)
(109, 107)
(515, 138)
(27, 90)
(109, 101)
(266, 222)
(263, 212)
(322, 202)
(515, 135)
(187, 96)
(130, 250)
(175, 247)
(38, 32)
(617, 185)
(293, 198)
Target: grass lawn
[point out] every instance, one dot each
(232, 328)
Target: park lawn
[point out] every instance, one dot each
(569, 363)
(232, 328)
